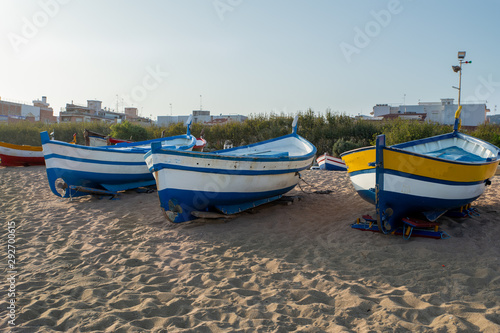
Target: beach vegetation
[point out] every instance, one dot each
(331, 132)
(403, 130)
(487, 132)
(129, 131)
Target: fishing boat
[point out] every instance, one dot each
(426, 177)
(76, 170)
(94, 139)
(227, 181)
(20, 155)
(328, 162)
(200, 144)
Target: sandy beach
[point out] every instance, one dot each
(91, 265)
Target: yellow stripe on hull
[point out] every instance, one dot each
(438, 169)
(19, 147)
(421, 165)
(358, 160)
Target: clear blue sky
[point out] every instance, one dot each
(247, 56)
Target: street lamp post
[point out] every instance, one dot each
(461, 57)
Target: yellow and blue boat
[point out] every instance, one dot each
(429, 176)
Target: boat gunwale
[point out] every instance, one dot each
(214, 155)
(132, 146)
(20, 147)
(398, 148)
(226, 171)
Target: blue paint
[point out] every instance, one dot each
(181, 203)
(87, 160)
(111, 182)
(242, 172)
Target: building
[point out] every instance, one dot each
(12, 112)
(131, 114)
(438, 112)
(94, 112)
(494, 119)
(200, 116)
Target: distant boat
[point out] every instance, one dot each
(75, 170)
(94, 139)
(227, 181)
(20, 155)
(429, 176)
(328, 162)
(200, 144)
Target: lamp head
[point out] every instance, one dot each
(461, 54)
(456, 69)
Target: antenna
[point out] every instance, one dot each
(201, 108)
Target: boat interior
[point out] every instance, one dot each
(452, 148)
(282, 147)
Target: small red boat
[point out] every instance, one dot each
(20, 155)
(200, 144)
(94, 139)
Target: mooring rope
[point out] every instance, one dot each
(314, 187)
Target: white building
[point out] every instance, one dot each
(439, 112)
(200, 116)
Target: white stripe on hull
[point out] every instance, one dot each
(337, 164)
(225, 164)
(78, 166)
(20, 153)
(398, 184)
(92, 154)
(220, 183)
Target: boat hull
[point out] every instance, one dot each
(327, 162)
(196, 181)
(402, 183)
(200, 144)
(20, 155)
(111, 168)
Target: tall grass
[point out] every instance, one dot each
(28, 133)
(332, 132)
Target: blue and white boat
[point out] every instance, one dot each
(75, 170)
(227, 181)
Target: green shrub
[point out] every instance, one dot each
(129, 131)
(28, 133)
(401, 130)
(332, 132)
(488, 132)
(342, 145)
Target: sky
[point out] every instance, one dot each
(248, 56)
